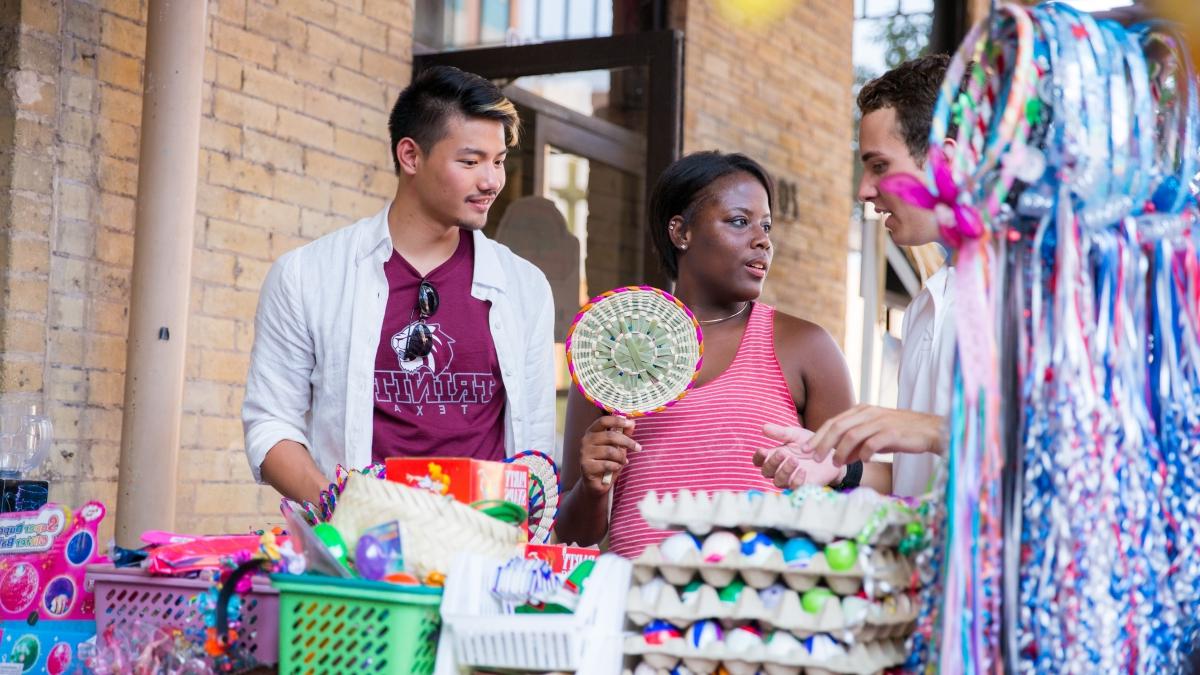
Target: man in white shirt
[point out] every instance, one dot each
(897, 111)
(408, 332)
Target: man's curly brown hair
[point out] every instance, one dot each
(911, 89)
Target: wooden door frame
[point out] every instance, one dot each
(660, 52)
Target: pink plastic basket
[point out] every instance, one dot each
(129, 594)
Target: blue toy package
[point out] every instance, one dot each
(44, 648)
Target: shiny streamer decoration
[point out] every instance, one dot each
(1066, 533)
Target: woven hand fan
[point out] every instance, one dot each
(634, 351)
(543, 493)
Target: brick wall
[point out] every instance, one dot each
(293, 145)
(781, 94)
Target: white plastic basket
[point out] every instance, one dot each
(477, 634)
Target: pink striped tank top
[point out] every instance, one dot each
(707, 440)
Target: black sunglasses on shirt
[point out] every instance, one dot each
(420, 337)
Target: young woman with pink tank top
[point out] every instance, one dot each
(710, 216)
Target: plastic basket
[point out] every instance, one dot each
(478, 634)
(128, 594)
(333, 626)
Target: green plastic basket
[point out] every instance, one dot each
(333, 626)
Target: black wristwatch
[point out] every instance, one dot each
(852, 479)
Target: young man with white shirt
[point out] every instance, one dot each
(408, 332)
(897, 112)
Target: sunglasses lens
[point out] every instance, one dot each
(420, 342)
(427, 299)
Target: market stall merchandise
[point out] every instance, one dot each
(810, 580)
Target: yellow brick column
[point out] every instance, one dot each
(162, 267)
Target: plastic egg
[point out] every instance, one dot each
(757, 547)
(823, 647)
(781, 644)
(719, 547)
(690, 591)
(841, 555)
(676, 547)
(772, 595)
(659, 632)
(798, 551)
(744, 638)
(730, 593)
(815, 598)
(703, 633)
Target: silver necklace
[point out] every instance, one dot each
(724, 318)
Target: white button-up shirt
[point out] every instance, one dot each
(317, 331)
(926, 373)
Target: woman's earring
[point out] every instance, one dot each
(683, 246)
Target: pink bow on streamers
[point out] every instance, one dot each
(958, 222)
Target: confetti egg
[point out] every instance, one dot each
(644, 668)
(782, 644)
(730, 593)
(757, 547)
(772, 595)
(652, 589)
(855, 609)
(659, 632)
(797, 552)
(841, 555)
(814, 599)
(704, 633)
(681, 670)
(690, 592)
(822, 647)
(719, 547)
(18, 587)
(678, 546)
(744, 638)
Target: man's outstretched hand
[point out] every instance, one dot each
(866, 430)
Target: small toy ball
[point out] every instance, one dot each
(690, 592)
(719, 547)
(781, 644)
(678, 546)
(822, 646)
(329, 535)
(798, 551)
(651, 590)
(814, 599)
(841, 555)
(659, 632)
(772, 595)
(744, 638)
(757, 547)
(704, 633)
(730, 593)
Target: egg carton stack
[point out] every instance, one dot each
(812, 582)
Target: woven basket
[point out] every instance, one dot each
(435, 528)
(634, 350)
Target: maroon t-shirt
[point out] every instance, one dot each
(450, 403)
